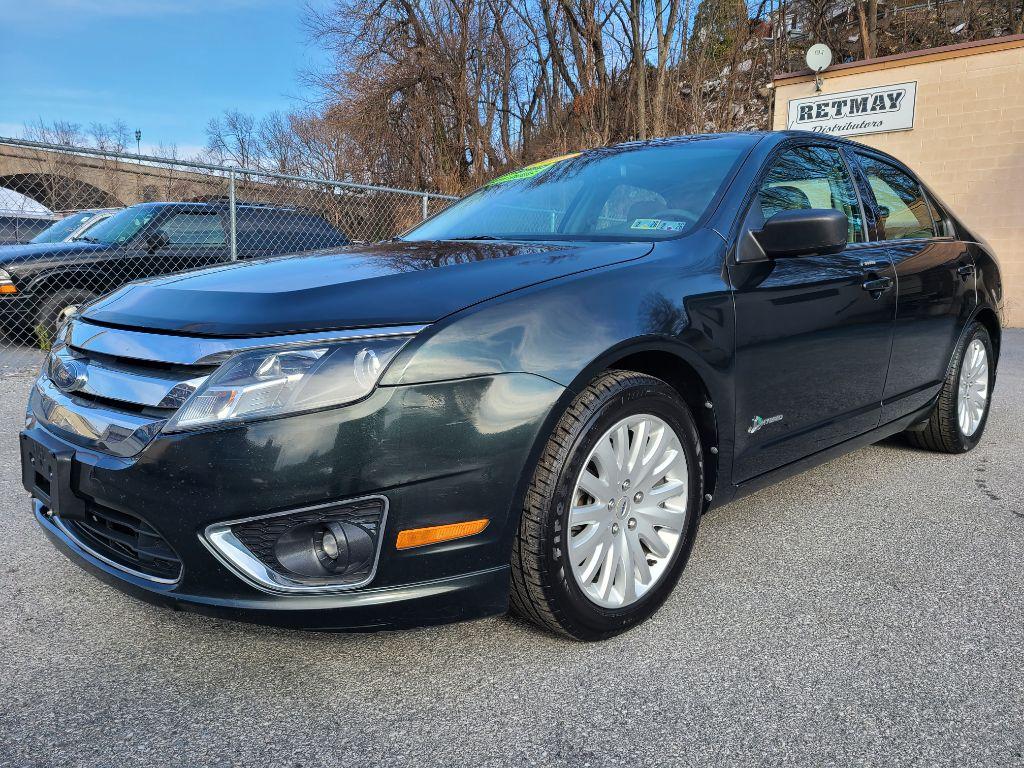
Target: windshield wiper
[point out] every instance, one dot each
(85, 239)
(476, 237)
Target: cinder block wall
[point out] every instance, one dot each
(968, 137)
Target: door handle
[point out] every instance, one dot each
(878, 286)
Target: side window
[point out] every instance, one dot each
(194, 229)
(943, 228)
(811, 177)
(903, 209)
(627, 203)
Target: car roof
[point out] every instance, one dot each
(745, 139)
(217, 205)
(742, 137)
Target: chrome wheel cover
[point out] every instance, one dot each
(629, 511)
(972, 396)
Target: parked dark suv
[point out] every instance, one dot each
(39, 283)
(530, 398)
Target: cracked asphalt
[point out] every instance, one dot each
(867, 613)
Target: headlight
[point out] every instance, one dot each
(6, 283)
(266, 383)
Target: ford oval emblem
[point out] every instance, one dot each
(69, 375)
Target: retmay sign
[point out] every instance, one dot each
(868, 110)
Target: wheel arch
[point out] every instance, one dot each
(59, 279)
(686, 371)
(988, 318)
(688, 384)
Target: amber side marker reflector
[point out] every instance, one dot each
(419, 537)
(7, 288)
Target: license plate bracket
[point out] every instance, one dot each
(46, 474)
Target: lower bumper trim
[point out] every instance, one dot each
(460, 598)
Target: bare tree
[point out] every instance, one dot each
(445, 94)
(233, 138)
(867, 15)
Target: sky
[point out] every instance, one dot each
(164, 67)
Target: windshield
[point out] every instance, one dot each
(629, 192)
(59, 231)
(121, 227)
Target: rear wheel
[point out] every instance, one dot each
(958, 420)
(611, 511)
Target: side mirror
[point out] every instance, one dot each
(157, 240)
(804, 232)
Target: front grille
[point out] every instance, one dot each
(127, 541)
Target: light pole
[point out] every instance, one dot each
(138, 141)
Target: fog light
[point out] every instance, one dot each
(329, 544)
(316, 549)
(320, 550)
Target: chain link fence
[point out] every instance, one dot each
(77, 223)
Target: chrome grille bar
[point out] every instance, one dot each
(186, 350)
(90, 424)
(128, 384)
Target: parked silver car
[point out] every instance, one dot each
(73, 225)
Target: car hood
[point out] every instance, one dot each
(15, 253)
(396, 283)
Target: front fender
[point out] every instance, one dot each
(676, 296)
(676, 300)
(70, 276)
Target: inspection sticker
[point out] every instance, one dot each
(665, 226)
(530, 170)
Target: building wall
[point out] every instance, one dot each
(967, 142)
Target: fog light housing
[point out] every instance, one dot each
(318, 549)
(322, 549)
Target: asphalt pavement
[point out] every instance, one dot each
(869, 612)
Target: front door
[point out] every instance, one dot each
(813, 333)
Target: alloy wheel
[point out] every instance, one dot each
(972, 397)
(629, 511)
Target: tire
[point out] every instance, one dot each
(51, 311)
(943, 431)
(546, 587)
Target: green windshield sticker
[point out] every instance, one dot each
(530, 170)
(667, 226)
(645, 224)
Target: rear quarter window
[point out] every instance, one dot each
(275, 231)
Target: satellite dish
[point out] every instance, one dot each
(818, 57)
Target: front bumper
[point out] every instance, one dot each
(16, 314)
(440, 453)
(457, 598)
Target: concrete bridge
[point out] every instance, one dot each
(71, 179)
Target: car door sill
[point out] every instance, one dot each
(809, 462)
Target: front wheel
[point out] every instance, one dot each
(55, 308)
(958, 420)
(612, 509)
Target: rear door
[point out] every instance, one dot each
(935, 279)
(193, 238)
(813, 333)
